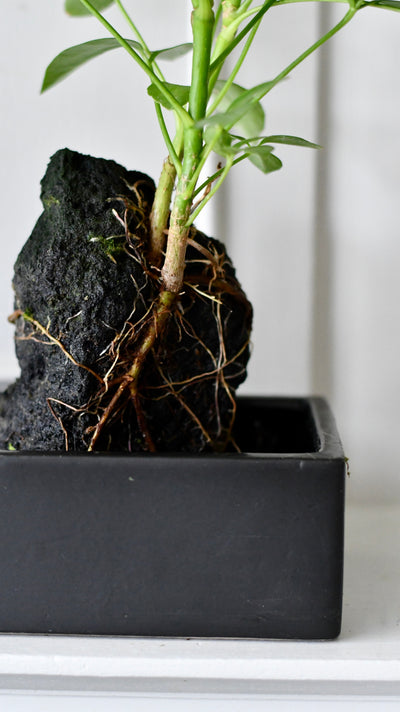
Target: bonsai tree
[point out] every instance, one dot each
(211, 114)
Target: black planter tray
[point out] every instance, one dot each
(238, 545)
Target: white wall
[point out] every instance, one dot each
(317, 246)
(360, 227)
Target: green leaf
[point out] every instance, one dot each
(243, 142)
(290, 141)
(171, 52)
(252, 123)
(179, 91)
(388, 4)
(241, 107)
(223, 144)
(73, 57)
(75, 7)
(262, 157)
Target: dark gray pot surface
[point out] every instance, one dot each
(237, 545)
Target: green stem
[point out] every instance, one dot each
(245, 5)
(217, 18)
(222, 175)
(230, 25)
(215, 175)
(160, 212)
(218, 62)
(132, 25)
(284, 73)
(139, 37)
(206, 152)
(344, 21)
(162, 198)
(202, 27)
(220, 59)
(184, 116)
(171, 149)
(228, 83)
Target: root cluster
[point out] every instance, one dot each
(134, 370)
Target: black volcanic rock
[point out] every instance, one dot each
(78, 282)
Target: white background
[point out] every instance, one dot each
(316, 245)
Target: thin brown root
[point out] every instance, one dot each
(206, 374)
(142, 423)
(108, 411)
(180, 399)
(149, 333)
(58, 419)
(194, 417)
(52, 339)
(211, 297)
(129, 348)
(234, 444)
(210, 258)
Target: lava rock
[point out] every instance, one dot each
(80, 283)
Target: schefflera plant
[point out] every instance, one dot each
(212, 113)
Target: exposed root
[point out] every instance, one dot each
(52, 340)
(154, 324)
(142, 423)
(49, 401)
(58, 419)
(191, 413)
(140, 338)
(217, 374)
(214, 373)
(122, 362)
(108, 413)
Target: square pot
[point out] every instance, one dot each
(228, 545)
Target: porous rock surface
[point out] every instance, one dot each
(75, 278)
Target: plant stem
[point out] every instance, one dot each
(202, 27)
(160, 211)
(289, 68)
(228, 83)
(284, 73)
(223, 40)
(217, 18)
(132, 25)
(223, 174)
(139, 37)
(183, 115)
(162, 199)
(174, 158)
(233, 14)
(218, 62)
(218, 173)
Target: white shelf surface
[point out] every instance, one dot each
(365, 660)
